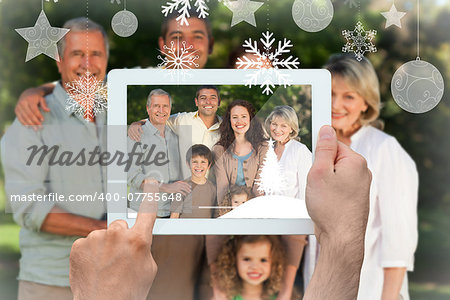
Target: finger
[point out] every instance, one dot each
(186, 190)
(326, 150)
(146, 216)
(43, 104)
(131, 133)
(36, 115)
(19, 116)
(138, 133)
(29, 116)
(118, 225)
(22, 112)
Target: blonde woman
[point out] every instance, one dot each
(391, 235)
(294, 157)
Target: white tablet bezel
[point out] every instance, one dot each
(119, 79)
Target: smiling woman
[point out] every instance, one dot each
(391, 236)
(241, 149)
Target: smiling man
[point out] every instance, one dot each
(155, 134)
(197, 34)
(49, 227)
(198, 127)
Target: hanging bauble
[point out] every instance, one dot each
(417, 86)
(124, 23)
(312, 15)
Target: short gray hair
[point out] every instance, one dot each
(289, 115)
(158, 92)
(82, 24)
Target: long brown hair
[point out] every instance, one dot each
(226, 275)
(255, 134)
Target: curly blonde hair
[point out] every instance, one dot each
(226, 277)
(234, 190)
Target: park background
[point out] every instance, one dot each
(426, 137)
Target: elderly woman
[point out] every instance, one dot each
(239, 154)
(391, 235)
(294, 157)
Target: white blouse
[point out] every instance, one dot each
(391, 235)
(295, 161)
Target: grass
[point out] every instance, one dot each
(9, 256)
(429, 291)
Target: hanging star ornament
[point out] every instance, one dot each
(393, 17)
(42, 38)
(243, 10)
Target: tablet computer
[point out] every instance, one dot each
(307, 91)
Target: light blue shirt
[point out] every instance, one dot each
(240, 177)
(45, 256)
(167, 149)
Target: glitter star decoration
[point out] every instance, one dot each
(42, 38)
(243, 10)
(393, 17)
(359, 41)
(87, 96)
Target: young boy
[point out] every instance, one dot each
(199, 159)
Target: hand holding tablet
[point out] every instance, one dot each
(109, 263)
(337, 198)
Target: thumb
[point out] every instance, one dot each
(326, 150)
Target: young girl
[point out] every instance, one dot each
(235, 197)
(250, 267)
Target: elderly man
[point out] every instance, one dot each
(197, 34)
(198, 127)
(49, 227)
(163, 142)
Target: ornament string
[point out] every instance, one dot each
(418, 27)
(359, 10)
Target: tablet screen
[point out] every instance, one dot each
(228, 158)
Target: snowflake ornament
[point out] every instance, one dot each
(268, 62)
(56, 1)
(118, 1)
(183, 7)
(87, 96)
(359, 41)
(178, 59)
(351, 3)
